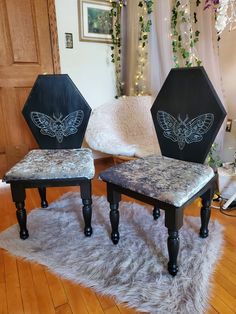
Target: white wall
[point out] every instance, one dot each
(88, 64)
(227, 53)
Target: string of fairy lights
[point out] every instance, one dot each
(116, 55)
(145, 9)
(184, 37)
(225, 15)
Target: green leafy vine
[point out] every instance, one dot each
(115, 14)
(145, 23)
(184, 38)
(213, 159)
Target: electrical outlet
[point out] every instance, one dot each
(69, 40)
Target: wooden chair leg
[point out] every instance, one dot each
(156, 213)
(173, 250)
(114, 219)
(205, 213)
(85, 190)
(114, 198)
(173, 221)
(18, 196)
(87, 213)
(22, 219)
(42, 193)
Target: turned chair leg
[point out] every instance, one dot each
(87, 214)
(85, 190)
(173, 250)
(42, 193)
(18, 196)
(156, 213)
(114, 198)
(22, 219)
(205, 213)
(173, 221)
(114, 219)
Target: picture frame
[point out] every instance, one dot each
(95, 21)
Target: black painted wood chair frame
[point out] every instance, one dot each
(173, 216)
(57, 115)
(18, 190)
(187, 115)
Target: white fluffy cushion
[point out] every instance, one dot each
(123, 127)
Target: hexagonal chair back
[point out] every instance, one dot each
(57, 115)
(187, 115)
(56, 112)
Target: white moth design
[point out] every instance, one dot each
(56, 126)
(184, 131)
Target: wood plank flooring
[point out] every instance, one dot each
(30, 288)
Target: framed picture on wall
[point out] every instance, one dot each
(95, 21)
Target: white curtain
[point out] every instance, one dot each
(160, 49)
(160, 53)
(130, 44)
(209, 54)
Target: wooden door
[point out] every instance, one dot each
(25, 52)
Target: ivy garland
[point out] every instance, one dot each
(183, 42)
(145, 23)
(115, 14)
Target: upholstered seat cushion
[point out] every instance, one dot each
(48, 164)
(169, 180)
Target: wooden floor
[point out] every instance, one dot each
(29, 288)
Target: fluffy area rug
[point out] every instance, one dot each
(134, 271)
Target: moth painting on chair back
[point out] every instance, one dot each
(59, 119)
(187, 114)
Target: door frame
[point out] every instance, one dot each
(54, 36)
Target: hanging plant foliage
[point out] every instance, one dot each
(115, 13)
(145, 23)
(184, 37)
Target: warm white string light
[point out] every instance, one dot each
(183, 36)
(225, 15)
(142, 55)
(116, 55)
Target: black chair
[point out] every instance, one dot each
(57, 115)
(187, 115)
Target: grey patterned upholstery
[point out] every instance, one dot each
(48, 164)
(165, 179)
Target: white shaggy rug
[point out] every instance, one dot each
(134, 271)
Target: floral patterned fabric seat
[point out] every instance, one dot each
(50, 164)
(166, 179)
